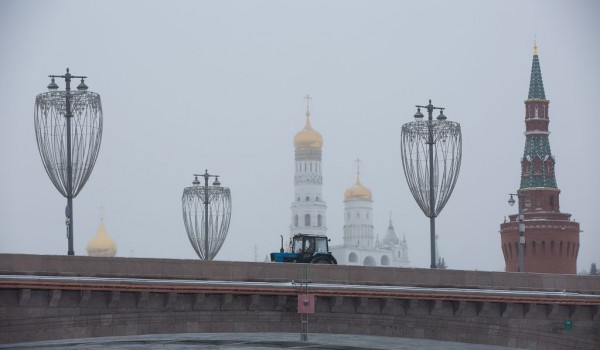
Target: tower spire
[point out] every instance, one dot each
(536, 85)
(308, 98)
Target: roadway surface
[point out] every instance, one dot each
(247, 341)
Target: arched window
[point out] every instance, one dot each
(560, 248)
(307, 220)
(307, 198)
(319, 220)
(296, 220)
(353, 258)
(370, 261)
(543, 248)
(385, 260)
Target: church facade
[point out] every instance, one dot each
(361, 246)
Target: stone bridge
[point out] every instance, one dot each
(56, 297)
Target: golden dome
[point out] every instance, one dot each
(308, 137)
(358, 191)
(102, 244)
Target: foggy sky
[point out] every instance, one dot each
(219, 85)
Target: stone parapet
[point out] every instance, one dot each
(56, 265)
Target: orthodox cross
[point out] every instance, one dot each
(308, 98)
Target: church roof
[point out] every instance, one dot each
(536, 85)
(358, 191)
(390, 237)
(101, 244)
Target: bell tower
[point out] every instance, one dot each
(308, 207)
(551, 237)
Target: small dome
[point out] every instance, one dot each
(308, 137)
(358, 191)
(102, 244)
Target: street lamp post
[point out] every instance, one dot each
(206, 215)
(68, 128)
(527, 203)
(431, 156)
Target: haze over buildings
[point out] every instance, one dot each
(188, 86)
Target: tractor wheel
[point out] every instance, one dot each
(321, 260)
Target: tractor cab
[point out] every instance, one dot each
(307, 248)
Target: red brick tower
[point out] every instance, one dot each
(551, 237)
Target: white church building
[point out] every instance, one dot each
(360, 247)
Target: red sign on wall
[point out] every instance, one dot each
(306, 303)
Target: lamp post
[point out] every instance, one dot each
(431, 156)
(206, 215)
(68, 129)
(527, 203)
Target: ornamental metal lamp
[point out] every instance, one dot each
(524, 200)
(206, 215)
(431, 155)
(68, 130)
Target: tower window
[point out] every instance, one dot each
(533, 248)
(357, 214)
(568, 247)
(510, 250)
(296, 221)
(317, 199)
(307, 220)
(560, 249)
(543, 248)
(552, 201)
(310, 166)
(552, 248)
(307, 198)
(319, 220)
(298, 199)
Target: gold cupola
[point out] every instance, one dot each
(358, 191)
(101, 244)
(308, 137)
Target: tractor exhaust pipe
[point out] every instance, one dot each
(281, 250)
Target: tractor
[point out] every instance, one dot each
(313, 249)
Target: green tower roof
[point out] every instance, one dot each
(536, 85)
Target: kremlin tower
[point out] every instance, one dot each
(551, 237)
(308, 207)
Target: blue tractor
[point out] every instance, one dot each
(308, 249)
